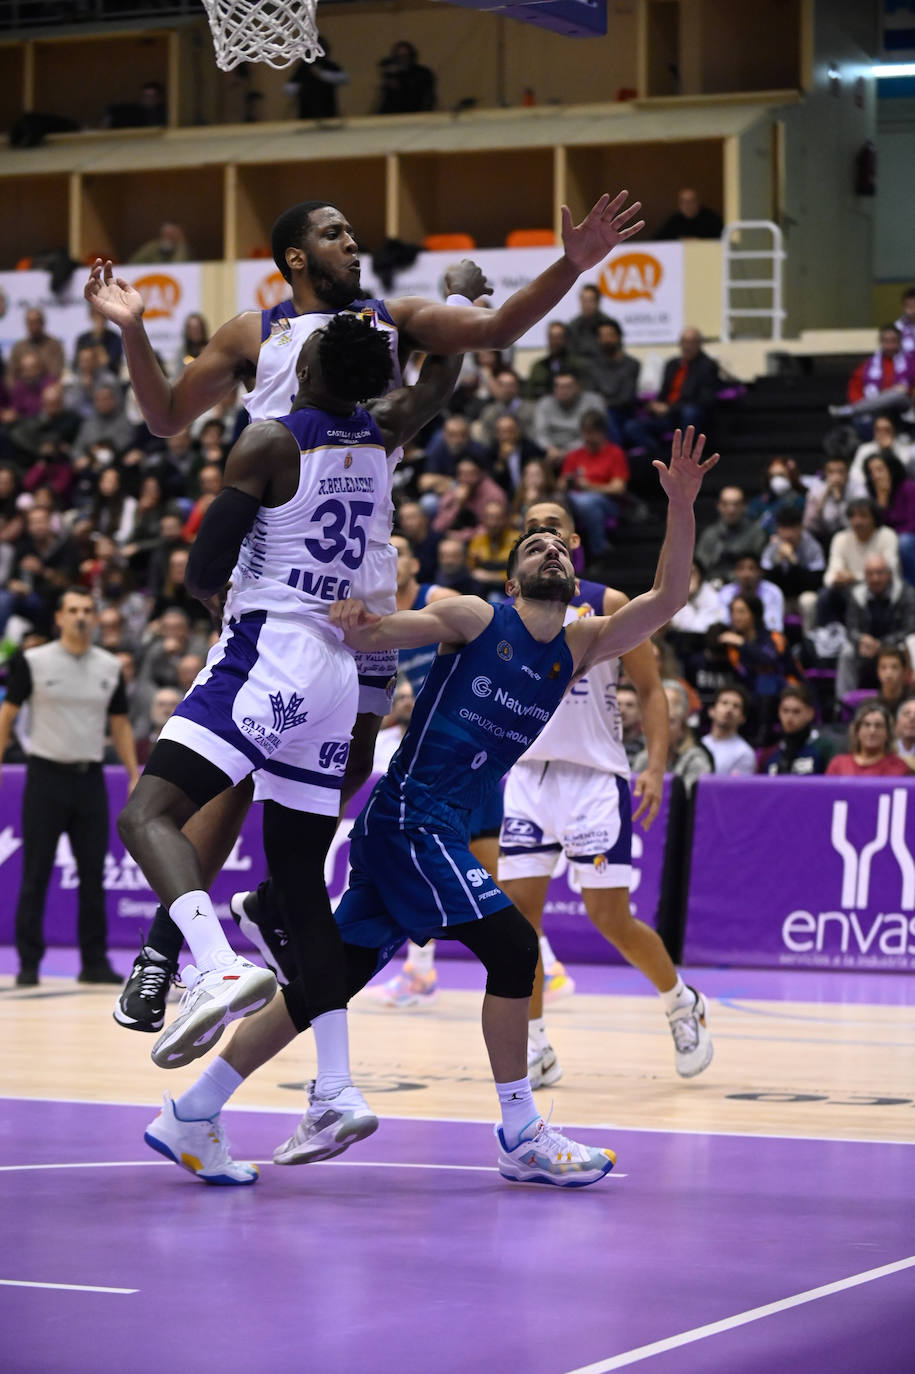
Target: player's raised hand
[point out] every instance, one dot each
(682, 480)
(605, 226)
(465, 278)
(352, 615)
(112, 296)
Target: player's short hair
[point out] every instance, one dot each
(290, 229)
(354, 358)
(512, 565)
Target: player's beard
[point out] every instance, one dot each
(335, 292)
(542, 586)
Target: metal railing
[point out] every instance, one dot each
(732, 280)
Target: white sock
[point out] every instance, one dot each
(678, 997)
(207, 1097)
(546, 953)
(421, 958)
(195, 917)
(518, 1109)
(332, 1042)
(536, 1034)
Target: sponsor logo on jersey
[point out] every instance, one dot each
(530, 672)
(348, 461)
(286, 714)
(584, 609)
(481, 686)
(333, 754)
(554, 672)
(504, 650)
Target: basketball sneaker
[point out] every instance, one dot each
(409, 988)
(235, 988)
(693, 1048)
(141, 1005)
(198, 1146)
(271, 942)
(557, 983)
(551, 1157)
(329, 1127)
(543, 1067)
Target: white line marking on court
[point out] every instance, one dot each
(326, 1163)
(487, 1121)
(699, 1333)
(70, 1287)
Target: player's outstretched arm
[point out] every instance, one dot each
(168, 408)
(608, 636)
(402, 413)
(461, 329)
(454, 621)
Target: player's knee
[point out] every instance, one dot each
(508, 951)
(294, 997)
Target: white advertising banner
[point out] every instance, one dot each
(170, 294)
(641, 286)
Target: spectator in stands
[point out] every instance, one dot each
(194, 338)
(111, 630)
(89, 372)
(450, 445)
(615, 375)
(802, 750)
(54, 425)
(685, 758)
(882, 382)
(407, 87)
(538, 483)
(37, 340)
(144, 533)
(510, 454)
(46, 563)
(164, 702)
(558, 417)
(559, 358)
(881, 610)
(189, 665)
(11, 519)
(27, 390)
(488, 550)
(702, 609)
(148, 112)
(112, 511)
(794, 561)
(315, 85)
(506, 400)
(893, 676)
(848, 554)
(633, 734)
(826, 506)
(211, 484)
(709, 669)
(721, 544)
(174, 461)
(413, 523)
(730, 752)
(759, 658)
(583, 328)
(460, 510)
(689, 389)
(905, 731)
(691, 220)
(906, 322)
(889, 440)
(748, 580)
(168, 639)
(104, 341)
(452, 570)
(394, 727)
(893, 494)
(871, 747)
(783, 488)
(171, 523)
(170, 245)
(594, 478)
(107, 425)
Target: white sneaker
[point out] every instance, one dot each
(550, 1157)
(235, 988)
(329, 1127)
(693, 1048)
(198, 1146)
(543, 1067)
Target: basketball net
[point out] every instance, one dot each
(263, 31)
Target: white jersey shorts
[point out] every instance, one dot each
(559, 808)
(375, 583)
(277, 700)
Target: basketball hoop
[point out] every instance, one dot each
(268, 31)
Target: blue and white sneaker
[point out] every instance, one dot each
(200, 1147)
(550, 1157)
(329, 1127)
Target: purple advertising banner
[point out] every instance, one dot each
(131, 905)
(811, 873)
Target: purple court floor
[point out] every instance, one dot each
(410, 1254)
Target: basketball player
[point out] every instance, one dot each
(278, 694)
(316, 252)
(569, 794)
(499, 676)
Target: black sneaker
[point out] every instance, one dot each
(141, 1005)
(98, 973)
(27, 977)
(271, 943)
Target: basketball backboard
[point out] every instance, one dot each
(574, 18)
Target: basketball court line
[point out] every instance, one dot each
(68, 1287)
(753, 1314)
(326, 1163)
(488, 1121)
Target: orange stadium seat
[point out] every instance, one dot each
(448, 243)
(530, 238)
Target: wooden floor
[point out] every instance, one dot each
(813, 1069)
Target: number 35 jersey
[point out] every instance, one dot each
(299, 557)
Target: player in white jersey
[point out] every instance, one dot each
(278, 693)
(569, 795)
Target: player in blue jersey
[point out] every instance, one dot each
(278, 694)
(500, 674)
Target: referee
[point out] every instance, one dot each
(73, 689)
